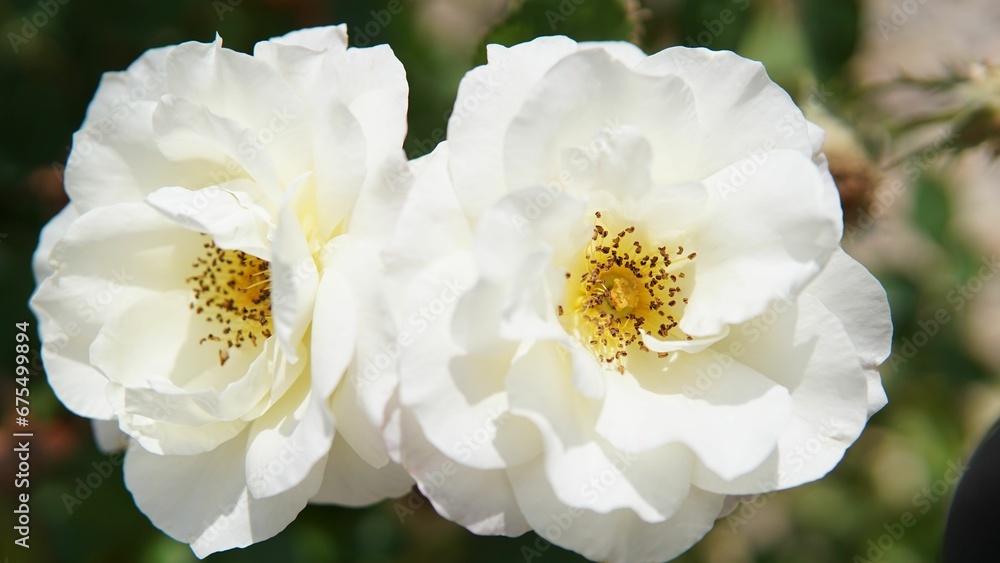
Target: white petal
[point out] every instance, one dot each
(370, 377)
(528, 311)
(284, 374)
(143, 81)
(333, 37)
(521, 247)
(114, 157)
(187, 132)
(218, 80)
(820, 367)
(65, 355)
(620, 166)
(349, 481)
(858, 300)
(164, 438)
(475, 326)
(583, 469)
(525, 222)
(458, 399)
(758, 242)
(284, 444)
(339, 148)
(100, 273)
(51, 234)
(203, 499)
(65, 347)
(373, 85)
(728, 414)
(108, 437)
(667, 212)
(692, 346)
(381, 200)
(294, 273)
(480, 500)
(129, 351)
(232, 219)
(488, 98)
(740, 111)
(122, 163)
(168, 386)
(431, 224)
(817, 135)
(589, 101)
(623, 51)
(355, 426)
(334, 332)
(357, 101)
(161, 399)
(618, 537)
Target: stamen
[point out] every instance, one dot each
(232, 288)
(618, 288)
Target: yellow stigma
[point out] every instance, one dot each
(617, 293)
(623, 295)
(233, 289)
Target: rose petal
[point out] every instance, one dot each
(203, 499)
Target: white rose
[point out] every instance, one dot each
(657, 312)
(214, 282)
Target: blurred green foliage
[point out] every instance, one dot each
(579, 19)
(716, 24)
(832, 29)
(48, 82)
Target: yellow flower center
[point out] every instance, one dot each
(617, 292)
(232, 289)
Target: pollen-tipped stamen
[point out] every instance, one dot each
(624, 293)
(226, 291)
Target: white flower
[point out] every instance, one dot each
(657, 312)
(215, 281)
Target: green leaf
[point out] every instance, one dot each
(582, 20)
(831, 27)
